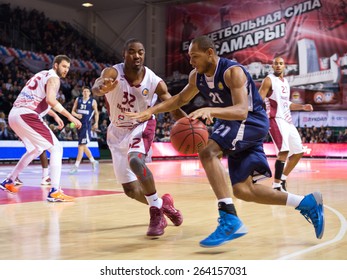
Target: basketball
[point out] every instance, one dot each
(189, 136)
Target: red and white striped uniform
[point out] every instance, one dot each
(25, 118)
(128, 98)
(125, 135)
(279, 103)
(33, 94)
(284, 134)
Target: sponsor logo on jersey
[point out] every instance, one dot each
(27, 96)
(145, 92)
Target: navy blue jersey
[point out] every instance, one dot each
(243, 140)
(86, 109)
(217, 92)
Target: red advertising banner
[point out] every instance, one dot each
(165, 150)
(310, 35)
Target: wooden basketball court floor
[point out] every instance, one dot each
(103, 224)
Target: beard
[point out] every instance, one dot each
(60, 74)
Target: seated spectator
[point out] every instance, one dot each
(329, 135)
(103, 127)
(340, 137)
(322, 139)
(3, 118)
(76, 91)
(345, 136)
(159, 135)
(67, 134)
(166, 137)
(94, 135)
(103, 134)
(55, 129)
(61, 96)
(6, 133)
(3, 131)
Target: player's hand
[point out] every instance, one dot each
(140, 117)
(107, 84)
(76, 122)
(59, 121)
(203, 113)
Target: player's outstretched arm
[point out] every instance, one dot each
(52, 88)
(106, 82)
(170, 104)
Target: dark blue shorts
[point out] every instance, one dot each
(84, 134)
(242, 142)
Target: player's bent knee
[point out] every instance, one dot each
(240, 192)
(206, 154)
(131, 190)
(237, 192)
(36, 152)
(56, 149)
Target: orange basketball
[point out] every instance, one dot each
(189, 136)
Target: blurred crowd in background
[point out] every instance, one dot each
(54, 37)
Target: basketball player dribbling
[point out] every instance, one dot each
(283, 132)
(240, 127)
(132, 87)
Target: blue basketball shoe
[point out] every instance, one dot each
(311, 207)
(230, 227)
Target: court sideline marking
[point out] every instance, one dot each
(338, 237)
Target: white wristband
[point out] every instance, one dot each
(58, 108)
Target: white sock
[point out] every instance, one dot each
(283, 177)
(92, 159)
(77, 163)
(294, 200)
(154, 200)
(227, 200)
(276, 185)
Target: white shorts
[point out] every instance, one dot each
(31, 129)
(122, 141)
(285, 137)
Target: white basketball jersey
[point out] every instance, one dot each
(33, 94)
(278, 102)
(129, 98)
